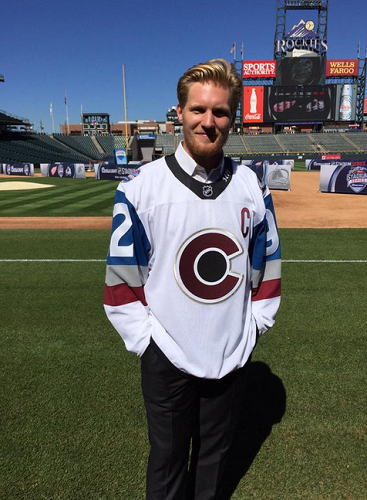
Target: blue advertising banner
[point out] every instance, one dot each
(120, 155)
(23, 169)
(108, 172)
(143, 137)
(67, 170)
(348, 177)
(314, 164)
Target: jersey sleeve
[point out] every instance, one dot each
(265, 267)
(126, 275)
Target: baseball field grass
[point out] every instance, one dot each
(69, 197)
(73, 424)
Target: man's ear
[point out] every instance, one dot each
(179, 113)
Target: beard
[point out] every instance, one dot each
(204, 147)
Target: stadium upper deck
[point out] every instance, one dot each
(42, 148)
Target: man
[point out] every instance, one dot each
(193, 277)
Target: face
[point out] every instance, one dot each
(302, 71)
(206, 120)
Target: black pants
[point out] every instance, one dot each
(183, 413)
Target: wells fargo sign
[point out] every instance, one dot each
(342, 67)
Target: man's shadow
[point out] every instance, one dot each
(263, 406)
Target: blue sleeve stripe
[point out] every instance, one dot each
(268, 200)
(135, 235)
(258, 247)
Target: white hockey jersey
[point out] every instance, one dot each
(194, 266)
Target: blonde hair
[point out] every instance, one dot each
(218, 71)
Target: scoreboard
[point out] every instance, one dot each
(293, 103)
(96, 123)
(300, 85)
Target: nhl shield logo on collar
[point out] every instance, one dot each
(207, 190)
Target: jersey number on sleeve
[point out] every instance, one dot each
(272, 234)
(117, 250)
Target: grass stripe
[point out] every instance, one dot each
(327, 261)
(286, 261)
(78, 197)
(62, 198)
(52, 260)
(72, 413)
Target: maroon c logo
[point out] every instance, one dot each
(203, 266)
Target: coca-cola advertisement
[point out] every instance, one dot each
(299, 103)
(253, 104)
(258, 69)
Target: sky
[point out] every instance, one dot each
(49, 47)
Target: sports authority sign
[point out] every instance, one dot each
(253, 104)
(342, 67)
(258, 69)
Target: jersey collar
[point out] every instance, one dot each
(202, 190)
(196, 171)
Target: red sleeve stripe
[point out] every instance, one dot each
(267, 290)
(122, 294)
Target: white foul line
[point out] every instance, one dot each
(52, 260)
(285, 261)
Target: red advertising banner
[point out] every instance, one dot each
(258, 69)
(342, 67)
(253, 104)
(331, 157)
